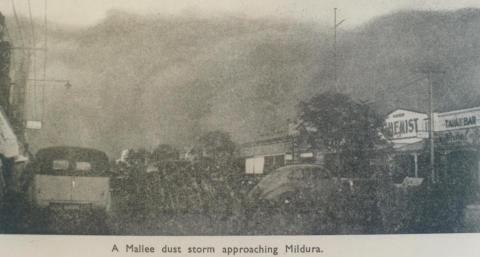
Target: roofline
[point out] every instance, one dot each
(404, 109)
(70, 147)
(459, 111)
(281, 139)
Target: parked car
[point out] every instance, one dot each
(70, 181)
(289, 200)
(293, 184)
(308, 199)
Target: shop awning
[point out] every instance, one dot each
(412, 147)
(9, 146)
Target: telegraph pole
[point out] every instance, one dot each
(335, 46)
(432, 124)
(335, 26)
(5, 54)
(429, 73)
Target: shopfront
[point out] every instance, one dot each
(456, 144)
(264, 156)
(457, 139)
(407, 131)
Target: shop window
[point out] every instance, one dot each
(254, 165)
(274, 162)
(279, 161)
(269, 163)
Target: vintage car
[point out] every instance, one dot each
(71, 178)
(67, 185)
(294, 185)
(309, 199)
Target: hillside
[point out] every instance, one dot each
(140, 81)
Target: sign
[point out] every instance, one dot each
(460, 119)
(459, 137)
(404, 124)
(8, 141)
(306, 155)
(412, 182)
(33, 124)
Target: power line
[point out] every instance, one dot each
(44, 58)
(32, 25)
(405, 85)
(19, 26)
(335, 26)
(34, 59)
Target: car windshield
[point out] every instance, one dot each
(305, 171)
(295, 172)
(83, 166)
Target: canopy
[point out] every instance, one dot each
(9, 146)
(412, 147)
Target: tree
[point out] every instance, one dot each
(350, 130)
(165, 152)
(216, 145)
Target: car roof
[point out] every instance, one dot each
(281, 175)
(46, 155)
(299, 167)
(71, 150)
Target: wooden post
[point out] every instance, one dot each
(415, 159)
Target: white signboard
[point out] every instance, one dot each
(33, 124)
(405, 125)
(460, 119)
(8, 141)
(464, 136)
(254, 165)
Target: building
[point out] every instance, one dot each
(456, 140)
(280, 149)
(407, 131)
(454, 132)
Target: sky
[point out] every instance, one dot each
(356, 12)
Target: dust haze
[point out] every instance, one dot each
(142, 80)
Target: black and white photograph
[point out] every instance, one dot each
(239, 118)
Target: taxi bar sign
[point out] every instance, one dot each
(460, 119)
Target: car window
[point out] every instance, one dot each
(296, 175)
(308, 173)
(60, 165)
(83, 166)
(316, 173)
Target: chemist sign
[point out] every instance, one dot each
(405, 125)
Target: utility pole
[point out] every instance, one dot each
(5, 54)
(26, 66)
(45, 36)
(335, 48)
(432, 125)
(429, 71)
(335, 26)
